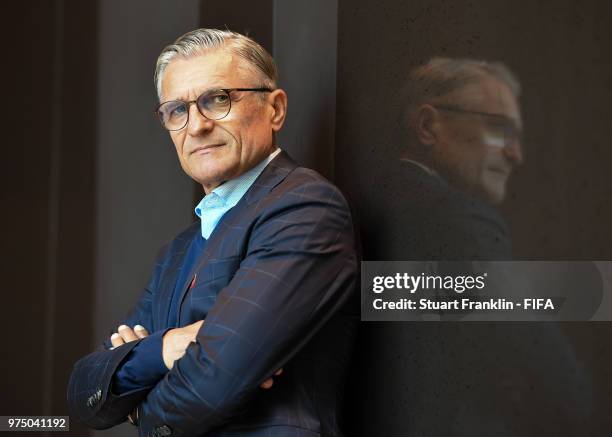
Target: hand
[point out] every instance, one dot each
(176, 341)
(269, 382)
(125, 334)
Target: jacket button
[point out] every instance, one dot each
(94, 399)
(163, 431)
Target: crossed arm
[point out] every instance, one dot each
(174, 343)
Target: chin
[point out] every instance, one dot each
(214, 174)
(496, 196)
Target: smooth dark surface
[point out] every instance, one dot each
(254, 19)
(48, 206)
(557, 206)
(305, 40)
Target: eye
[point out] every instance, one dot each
(220, 98)
(172, 109)
(178, 111)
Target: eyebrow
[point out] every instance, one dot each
(183, 99)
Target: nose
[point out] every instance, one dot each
(197, 123)
(514, 152)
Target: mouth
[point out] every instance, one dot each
(202, 150)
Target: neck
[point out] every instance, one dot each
(209, 187)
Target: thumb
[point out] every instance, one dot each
(194, 328)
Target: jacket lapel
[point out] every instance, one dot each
(274, 173)
(172, 270)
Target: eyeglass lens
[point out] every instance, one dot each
(213, 105)
(504, 131)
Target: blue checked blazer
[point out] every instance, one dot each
(275, 285)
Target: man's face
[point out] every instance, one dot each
(210, 151)
(476, 152)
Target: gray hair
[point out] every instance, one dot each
(200, 40)
(441, 76)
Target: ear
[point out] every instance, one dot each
(426, 124)
(278, 100)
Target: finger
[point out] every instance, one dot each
(127, 333)
(140, 331)
(267, 383)
(194, 328)
(278, 372)
(116, 340)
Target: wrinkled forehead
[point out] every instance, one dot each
(186, 78)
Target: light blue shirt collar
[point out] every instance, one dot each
(215, 204)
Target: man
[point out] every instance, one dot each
(460, 136)
(257, 286)
(460, 139)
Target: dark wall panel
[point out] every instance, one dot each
(48, 197)
(25, 205)
(76, 216)
(305, 39)
(247, 17)
(558, 205)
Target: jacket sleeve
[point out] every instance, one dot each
(90, 399)
(143, 366)
(299, 269)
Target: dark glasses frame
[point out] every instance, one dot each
(512, 132)
(188, 104)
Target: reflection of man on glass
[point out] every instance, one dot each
(460, 139)
(254, 286)
(460, 136)
(466, 123)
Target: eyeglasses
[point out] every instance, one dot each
(212, 104)
(498, 123)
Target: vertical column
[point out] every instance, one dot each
(305, 42)
(48, 198)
